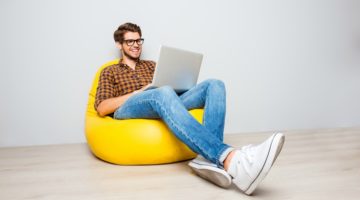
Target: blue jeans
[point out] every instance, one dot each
(164, 103)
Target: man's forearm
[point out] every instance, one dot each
(110, 105)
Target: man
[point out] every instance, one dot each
(121, 92)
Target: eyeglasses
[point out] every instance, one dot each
(132, 42)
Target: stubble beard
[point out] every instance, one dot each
(130, 57)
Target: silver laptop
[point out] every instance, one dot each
(176, 68)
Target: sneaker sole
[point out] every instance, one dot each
(275, 149)
(213, 174)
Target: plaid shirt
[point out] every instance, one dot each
(119, 79)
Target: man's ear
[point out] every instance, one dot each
(118, 45)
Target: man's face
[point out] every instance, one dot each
(131, 48)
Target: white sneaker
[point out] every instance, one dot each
(210, 172)
(250, 165)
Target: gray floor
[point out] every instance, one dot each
(314, 164)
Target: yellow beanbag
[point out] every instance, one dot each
(132, 141)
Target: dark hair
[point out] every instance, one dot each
(127, 27)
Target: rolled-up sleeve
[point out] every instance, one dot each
(105, 89)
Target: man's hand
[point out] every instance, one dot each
(144, 88)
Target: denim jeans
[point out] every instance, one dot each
(205, 139)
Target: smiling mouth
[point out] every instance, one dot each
(134, 50)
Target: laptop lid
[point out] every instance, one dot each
(177, 68)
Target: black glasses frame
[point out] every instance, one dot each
(132, 42)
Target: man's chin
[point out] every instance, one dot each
(132, 57)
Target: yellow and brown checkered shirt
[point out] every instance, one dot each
(119, 79)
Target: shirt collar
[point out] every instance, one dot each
(125, 65)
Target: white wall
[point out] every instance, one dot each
(287, 64)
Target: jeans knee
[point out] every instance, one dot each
(216, 82)
(165, 91)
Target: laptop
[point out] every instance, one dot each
(176, 68)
